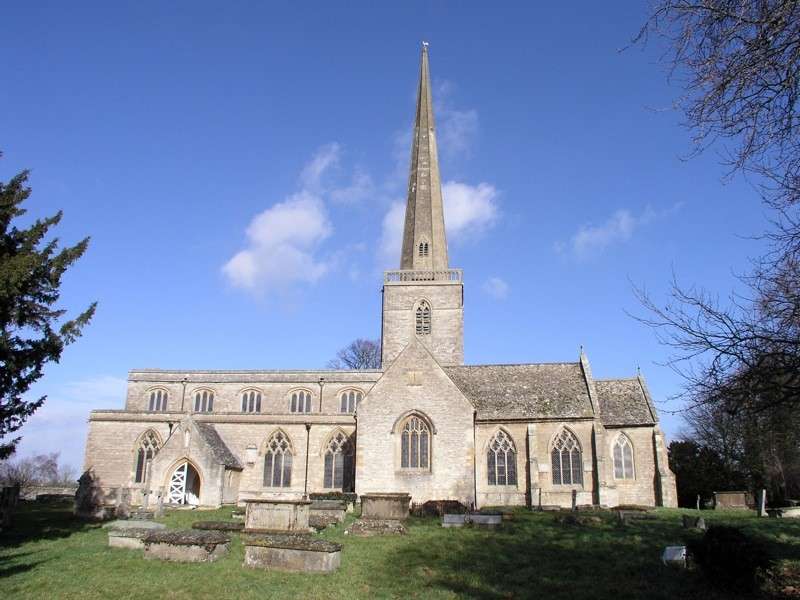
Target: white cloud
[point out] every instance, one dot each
(323, 160)
(360, 188)
(592, 240)
(283, 240)
(392, 235)
(456, 128)
(281, 245)
(60, 425)
(496, 288)
(468, 208)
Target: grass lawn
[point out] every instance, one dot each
(50, 555)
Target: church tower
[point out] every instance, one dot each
(425, 297)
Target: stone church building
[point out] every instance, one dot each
(424, 423)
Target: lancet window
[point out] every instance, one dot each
(251, 401)
(158, 401)
(278, 461)
(204, 401)
(567, 463)
(149, 444)
(623, 457)
(300, 401)
(501, 460)
(349, 400)
(339, 464)
(423, 318)
(415, 444)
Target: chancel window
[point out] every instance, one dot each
(158, 401)
(623, 457)
(501, 460)
(149, 444)
(423, 318)
(415, 444)
(339, 464)
(567, 463)
(204, 401)
(349, 401)
(251, 401)
(278, 461)
(300, 402)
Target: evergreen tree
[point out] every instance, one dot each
(32, 329)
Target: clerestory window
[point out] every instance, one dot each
(251, 401)
(158, 401)
(349, 400)
(204, 401)
(300, 401)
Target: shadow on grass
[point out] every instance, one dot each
(35, 521)
(535, 556)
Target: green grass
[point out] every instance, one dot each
(50, 555)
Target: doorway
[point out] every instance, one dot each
(184, 485)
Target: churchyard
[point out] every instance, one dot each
(50, 554)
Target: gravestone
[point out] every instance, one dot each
(692, 522)
(89, 501)
(674, 556)
(291, 553)
(762, 503)
(186, 546)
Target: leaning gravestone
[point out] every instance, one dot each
(762, 503)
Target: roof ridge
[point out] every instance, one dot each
(574, 363)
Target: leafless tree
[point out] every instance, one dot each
(41, 469)
(739, 63)
(358, 354)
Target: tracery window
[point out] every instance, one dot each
(278, 461)
(251, 401)
(300, 401)
(623, 457)
(204, 401)
(158, 400)
(149, 444)
(567, 463)
(423, 318)
(339, 464)
(501, 460)
(349, 401)
(415, 444)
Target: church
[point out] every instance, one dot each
(424, 423)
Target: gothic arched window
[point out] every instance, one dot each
(158, 401)
(300, 401)
(423, 318)
(204, 401)
(278, 461)
(415, 446)
(501, 460)
(149, 443)
(567, 463)
(251, 401)
(349, 400)
(339, 464)
(423, 249)
(623, 457)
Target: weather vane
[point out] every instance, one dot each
(425, 44)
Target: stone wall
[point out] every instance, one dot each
(446, 341)
(275, 388)
(416, 384)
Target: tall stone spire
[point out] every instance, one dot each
(424, 241)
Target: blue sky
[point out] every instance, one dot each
(241, 168)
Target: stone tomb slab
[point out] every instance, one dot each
(269, 515)
(131, 538)
(133, 524)
(456, 520)
(385, 507)
(187, 545)
(296, 553)
(328, 510)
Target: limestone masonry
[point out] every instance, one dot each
(423, 424)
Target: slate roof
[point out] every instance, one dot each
(530, 391)
(624, 402)
(218, 447)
